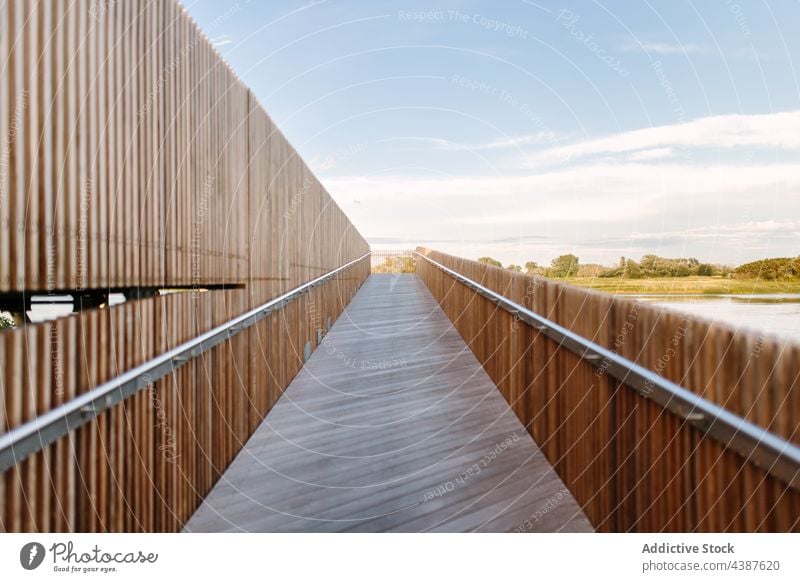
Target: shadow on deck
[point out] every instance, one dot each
(392, 425)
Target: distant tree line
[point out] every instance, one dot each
(395, 265)
(560, 267)
(781, 269)
(654, 267)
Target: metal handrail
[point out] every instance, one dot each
(18, 443)
(766, 450)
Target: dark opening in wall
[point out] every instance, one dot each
(19, 308)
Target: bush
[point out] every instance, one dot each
(565, 266)
(396, 265)
(6, 322)
(783, 268)
(490, 261)
(705, 270)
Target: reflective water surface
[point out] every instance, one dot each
(777, 314)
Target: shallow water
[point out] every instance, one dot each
(777, 314)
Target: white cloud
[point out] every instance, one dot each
(653, 154)
(322, 164)
(541, 137)
(774, 130)
(590, 193)
(668, 49)
(665, 48)
(530, 139)
(633, 190)
(729, 232)
(221, 41)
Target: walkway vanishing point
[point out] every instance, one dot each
(392, 425)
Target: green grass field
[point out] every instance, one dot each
(694, 285)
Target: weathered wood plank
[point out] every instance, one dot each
(392, 425)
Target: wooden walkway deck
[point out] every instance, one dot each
(392, 425)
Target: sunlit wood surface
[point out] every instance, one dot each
(392, 425)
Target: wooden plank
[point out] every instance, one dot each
(13, 381)
(41, 375)
(47, 178)
(65, 389)
(30, 467)
(5, 146)
(133, 64)
(116, 133)
(5, 505)
(30, 96)
(16, 159)
(96, 161)
(58, 252)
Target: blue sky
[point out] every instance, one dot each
(523, 130)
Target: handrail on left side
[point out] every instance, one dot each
(26, 439)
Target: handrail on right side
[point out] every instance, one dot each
(766, 450)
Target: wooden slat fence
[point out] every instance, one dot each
(132, 156)
(632, 465)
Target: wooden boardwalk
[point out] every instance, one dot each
(392, 425)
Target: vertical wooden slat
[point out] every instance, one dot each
(126, 145)
(6, 229)
(115, 137)
(157, 192)
(135, 61)
(633, 466)
(41, 376)
(66, 348)
(30, 95)
(5, 505)
(16, 140)
(13, 383)
(46, 176)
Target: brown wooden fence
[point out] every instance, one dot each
(632, 465)
(132, 157)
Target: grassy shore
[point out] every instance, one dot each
(694, 285)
